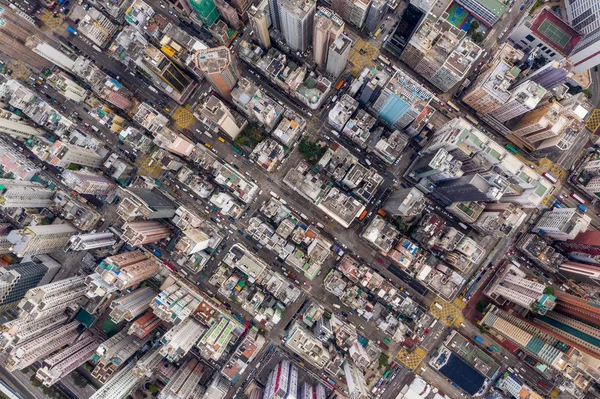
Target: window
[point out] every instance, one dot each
(544, 47)
(530, 38)
(552, 54)
(539, 45)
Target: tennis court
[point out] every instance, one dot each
(554, 33)
(457, 15)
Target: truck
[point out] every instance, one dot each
(582, 208)
(478, 339)
(71, 31)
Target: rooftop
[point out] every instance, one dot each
(213, 60)
(555, 32)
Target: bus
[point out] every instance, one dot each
(552, 179)
(362, 215)
(474, 121)
(511, 148)
(558, 205)
(383, 60)
(377, 33)
(578, 198)
(98, 49)
(453, 106)
(340, 84)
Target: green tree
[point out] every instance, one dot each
(473, 28)
(383, 359)
(549, 290)
(539, 62)
(311, 150)
(152, 388)
(250, 136)
(477, 37)
(481, 306)
(587, 93)
(483, 329)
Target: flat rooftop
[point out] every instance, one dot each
(555, 32)
(213, 60)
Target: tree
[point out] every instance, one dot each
(481, 306)
(587, 93)
(483, 329)
(250, 136)
(549, 290)
(539, 61)
(477, 37)
(153, 388)
(473, 28)
(311, 150)
(383, 359)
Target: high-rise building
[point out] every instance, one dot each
(219, 67)
(11, 125)
(487, 12)
(127, 269)
(473, 187)
(552, 74)
(130, 306)
(14, 162)
(296, 22)
(177, 342)
(194, 240)
(177, 301)
(145, 232)
(375, 15)
(52, 298)
(499, 219)
(87, 183)
(352, 11)
(282, 380)
(587, 242)
(219, 115)
(16, 280)
(540, 124)
(218, 388)
(513, 285)
(23, 329)
(584, 16)
(83, 242)
(64, 361)
(121, 385)
(146, 366)
(274, 14)
(437, 166)
(306, 345)
(523, 98)
(34, 240)
(401, 101)
(491, 88)
(215, 341)
(144, 325)
(337, 57)
(63, 154)
(562, 223)
(357, 387)
(24, 194)
(144, 203)
(581, 273)
(406, 202)
(328, 26)
(25, 354)
(411, 19)
(184, 383)
(258, 23)
(206, 11)
(229, 14)
(113, 353)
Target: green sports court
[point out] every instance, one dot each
(554, 33)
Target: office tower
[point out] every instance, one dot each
(146, 232)
(407, 202)
(352, 11)
(24, 194)
(177, 342)
(584, 15)
(34, 240)
(540, 124)
(357, 387)
(486, 12)
(144, 325)
(534, 34)
(23, 329)
(184, 383)
(118, 387)
(581, 273)
(369, 84)
(523, 98)
(282, 380)
(437, 166)
(84, 242)
(24, 355)
(206, 11)
(127, 269)
(306, 345)
(17, 280)
(409, 22)
(337, 57)
(472, 187)
(328, 26)
(258, 23)
(274, 14)
(130, 306)
(513, 285)
(401, 101)
(144, 203)
(64, 361)
(39, 302)
(552, 74)
(86, 183)
(176, 302)
(194, 240)
(491, 88)
(562, 223)
(146, 366)
(218, 388)
(219, 115)
(587, 242)
(113, 353)
(10, 124)
(499, 219)
(375, 15)
(296, 19)
(219, 67)
(229, 14)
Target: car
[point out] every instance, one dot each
(522, 8)
(343, 314)
(379, 260)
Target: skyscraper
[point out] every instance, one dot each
(221, 116)
(144, 203)
(357, 387)
(17, 280)
(258, 23)
(184, 383)
(119, 386)
(144, 325)
(375, 15)
(470, 188)
(220, 69)
(523, 98)
(562, 223)
(180, 339)
(83, 242)
(328, 26)
(352, 11)
(296, 18)
(540, 124)
(24, 194)
(87, 183)
(587, 242)
(145, 232)
(337, 57)
(552, 74)
(127, 269)
(113, 353)
(584, 16)
(206, 11)
(52, 298)
(130, 306)
(34, 240)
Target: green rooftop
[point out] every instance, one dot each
(494, 6)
